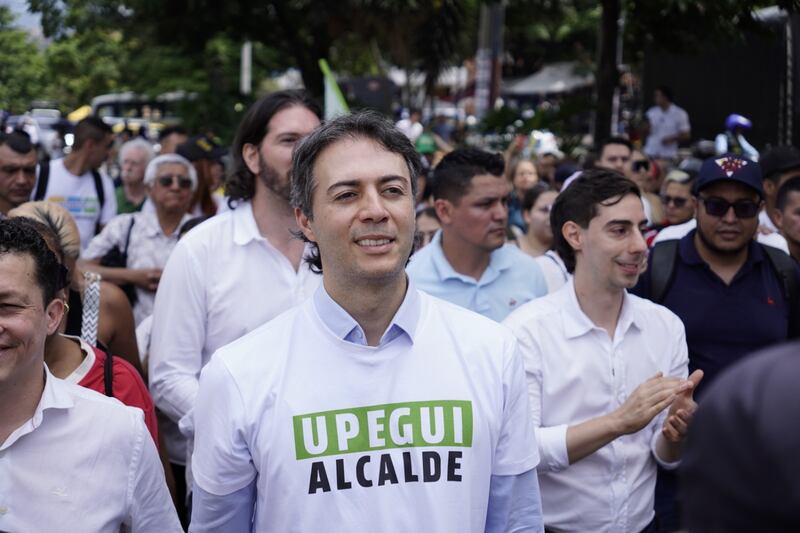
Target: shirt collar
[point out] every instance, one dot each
(345, 327)
(245, 228)
(576, 323)
(691, 256)
(499, 261)
(151, 226)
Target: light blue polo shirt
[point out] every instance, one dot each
(511, 279)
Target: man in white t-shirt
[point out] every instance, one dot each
(667, 125)
(76, 183)
(602, 366)
(71, 459)
(373, 406)
(236, 271)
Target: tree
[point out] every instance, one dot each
(22, 67)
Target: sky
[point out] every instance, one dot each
(25, 20)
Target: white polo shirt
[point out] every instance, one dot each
(341, 436)
(84, 462)
(665, 124)
(576, 372)
(222, 280)
(148, 247)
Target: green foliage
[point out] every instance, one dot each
(22, 68)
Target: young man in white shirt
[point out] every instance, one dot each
(602, 366)
(70, 458)
(75, 182)
(667, 125)
(372, 406)
(236, 271)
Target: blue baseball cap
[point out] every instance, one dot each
(730, 168)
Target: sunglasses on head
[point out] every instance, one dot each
(642, 165)
(718, 207)
(169, 179)
(677, 201)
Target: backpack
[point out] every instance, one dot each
(44, 178)
(662, 269)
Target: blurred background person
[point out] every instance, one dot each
(427, 226)
(147, 237)
(787, 211)
(641, 173)
(17, 169)
(523, 177)
(536, 205)
(204, 154)
(134, 156)
(170, 137)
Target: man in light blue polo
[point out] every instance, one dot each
(468, 262)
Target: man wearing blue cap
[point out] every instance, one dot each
(733, 294)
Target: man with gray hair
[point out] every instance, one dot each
(146, 238)
(377, 407)
(134, 156)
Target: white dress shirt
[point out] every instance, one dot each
(149, 247)
(222, 280)
(663, 124)
(575, 373)
(83, 462)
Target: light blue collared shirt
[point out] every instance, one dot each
(511, 279)
(345, 327)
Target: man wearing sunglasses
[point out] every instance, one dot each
(147, 237)
(733, 294)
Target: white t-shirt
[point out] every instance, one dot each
(340, 436)
(78, 195)
(665, 124)
(83, 462)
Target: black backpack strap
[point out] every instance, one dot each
(108, 375)
(786, 269)
(128, 238)
(41, 183)
(662, 267)
(101, 197)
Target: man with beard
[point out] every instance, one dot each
(733, 294)
(239, 269)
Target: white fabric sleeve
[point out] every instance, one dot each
(178, 335)
(683, 123)
(551, 441)
(221, 461)
(515, 504)
(232, 513)
(110, 200)
(150, 504)
(678, 367)
(113, 234)
(516, 450)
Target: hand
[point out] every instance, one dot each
(681, 411)
(646, 401)
(146, 278)
(666, 141)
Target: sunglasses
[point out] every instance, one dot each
(717, 207)
(169, 179)
(677, 201)
(642, 165)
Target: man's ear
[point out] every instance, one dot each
(251, 158)
(444, 210)
(54, 312)
(573, 234)
(777, 216)
(305, 224)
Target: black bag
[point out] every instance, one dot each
(116, 258)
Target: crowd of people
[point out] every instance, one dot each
(333, 326)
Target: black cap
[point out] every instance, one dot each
(201, 147)
(779, 159)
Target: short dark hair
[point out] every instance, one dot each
(579, 203)
(613, 140)
(240, 184)
(533, 194)
(91, 127)
(362, 125)
(18, 140)
(666, 91)
(169, 130)
(791, 185)
(452, 177)
(19, 237)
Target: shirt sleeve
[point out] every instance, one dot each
(679, 367)
(232, 513)
(151, 508)
(178, 335)
(131, 390)
(516, 450)
(515, 504)
(221, 461)
(110, 200)
(683, 122)
(110, 236)
(551, 441)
